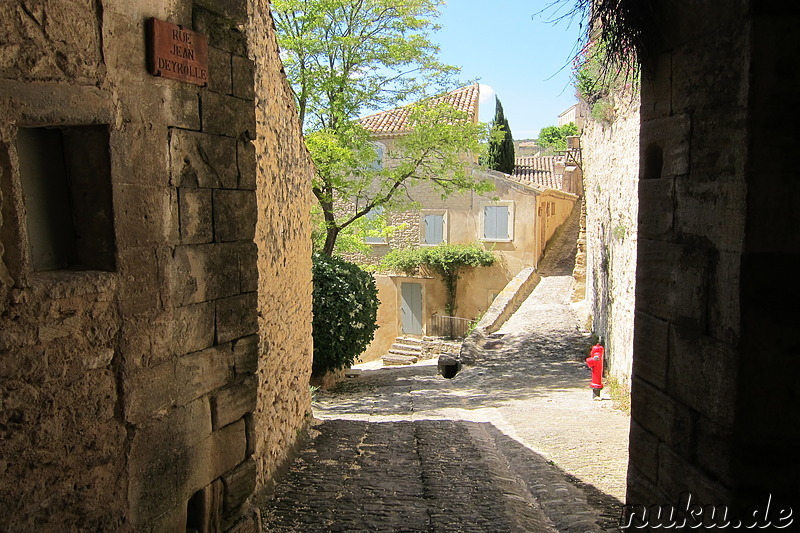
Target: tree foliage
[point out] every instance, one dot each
(447, 260)
(555, 137)
(500, 152)
(346, 56)
(434, 150)
(345, 304)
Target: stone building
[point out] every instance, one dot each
(515, 221)
(154, 291)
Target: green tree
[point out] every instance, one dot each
(346, 56)
(500, 153)
(447, 260)
(345, 304)
(555, 137)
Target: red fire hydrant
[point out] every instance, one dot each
(595, 362)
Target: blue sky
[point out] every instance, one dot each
(517, 53)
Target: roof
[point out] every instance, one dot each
(538, 172)
(396, 120)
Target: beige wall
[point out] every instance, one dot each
(181, 370)
(534, 224)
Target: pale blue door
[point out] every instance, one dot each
(411, 308)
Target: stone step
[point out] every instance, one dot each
(416, 341)
(407, 353)
(406, 347)
(395, 360)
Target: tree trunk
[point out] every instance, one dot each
(330, 241)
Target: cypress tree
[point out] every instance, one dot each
(500, 155)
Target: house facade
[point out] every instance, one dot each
(514, 221)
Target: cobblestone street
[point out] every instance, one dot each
(514, 443)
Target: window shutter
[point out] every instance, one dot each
(503, 214)
(434, 229)
(489, 223)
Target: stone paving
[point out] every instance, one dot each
(514, 443)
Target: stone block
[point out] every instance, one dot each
(204, 512)
(200, 160)
(215, 24)
(672, 136)
(676, 475)
(151, 486)
(703, 374)
(643, 451)
(250, 432)
(219, 71)
(196, 224)
(240, 484)
(228, 115)
(180, 427)
(656, 214)
(233, 10)
(711, 211)
(714, 450)
(233, 401)
(656, 90)
(660, 415)
(142, 215)
(193, 328)
(243, 78)
(202, 372)
(655, 265)
(148, 391)
(182, 106)
(245, 355)
(141, 156)
(651, 349)
(234, 215)
(237, 317)
(248, 267)
(246, 163)
(140, 281)
(210, 458)
(203, 272)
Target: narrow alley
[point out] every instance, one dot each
(514, 443)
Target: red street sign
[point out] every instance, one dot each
(176, 53)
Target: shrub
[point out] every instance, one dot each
(447, 260)
(345, 309)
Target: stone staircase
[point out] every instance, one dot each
(406, 350)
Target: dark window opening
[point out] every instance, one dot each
(66, 186)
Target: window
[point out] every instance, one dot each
(66, 187)
(375, 213)
(433, 227)
(498, 221)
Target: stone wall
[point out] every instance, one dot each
(611, 175)
(283, 234)
(715, 339)
(148, 384)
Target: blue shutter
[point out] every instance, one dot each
(434, 229)
(495, 222)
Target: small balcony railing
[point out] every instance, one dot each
(449, 326)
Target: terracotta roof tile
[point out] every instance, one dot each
(538, 172)
(396, 120)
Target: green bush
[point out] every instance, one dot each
(447, 260)
(345, 310)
